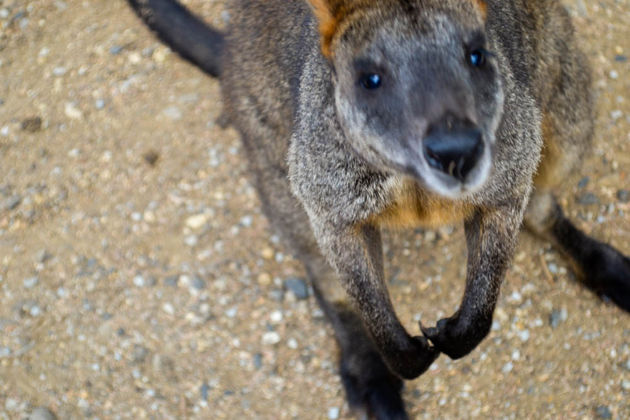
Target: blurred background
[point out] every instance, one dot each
(138, 277)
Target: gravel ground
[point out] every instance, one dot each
(138, 278)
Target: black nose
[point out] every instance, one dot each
(453, 147)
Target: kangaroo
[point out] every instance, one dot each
(358, 115)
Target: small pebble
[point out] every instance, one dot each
(557, 316)
(276, 317)
(11, 404)
(35, 310)
(264, 279)
(524, 335)
(298, 286)
(625, 384)
(134, 58)
(277, 295)
(59, 71)
(267, 253)
(258, 359)
(171, 281)
(43, 256)
(507, 368)
(147, 52)
(623, 196)
(621, 58)
(32, 124)
(271, 338)
(115, 49)
(173, 113)
(197, 221)
(292, 343)
(583, 182)
(168, 308)
(160, 54)
(515, 297)
(139, 354)
(138, 281)
(603, 412)
(30, 282)
(191, 240)
(99, 104)
(151, 157)
(587, 199)
(42, 413)
(198, 283)
(333, 413)
(72, 111)
(204, 390)
(10, 203)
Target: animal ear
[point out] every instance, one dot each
(482, 5)
(325, 11)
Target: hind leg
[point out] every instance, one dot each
(567, 131)
(598, 266)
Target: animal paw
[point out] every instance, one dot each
(412, 361)
(610, 276)
(371, 389)
(455, 336)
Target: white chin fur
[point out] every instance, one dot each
(449, 187)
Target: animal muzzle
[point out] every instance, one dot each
(454, 147)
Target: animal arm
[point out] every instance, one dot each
(491, 238)
(356, 254)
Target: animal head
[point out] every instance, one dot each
(417, 88)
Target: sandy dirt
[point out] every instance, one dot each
(138, 277)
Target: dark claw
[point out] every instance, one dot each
(413, 362)
(428, 332)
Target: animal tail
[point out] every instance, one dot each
(183, 32)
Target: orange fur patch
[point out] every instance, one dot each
(412, 207)
(330, 14)
(327, 23)
(482, 6)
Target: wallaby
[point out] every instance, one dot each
(362, 114)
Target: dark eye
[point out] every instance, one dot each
(370, 81)
(477, 58)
